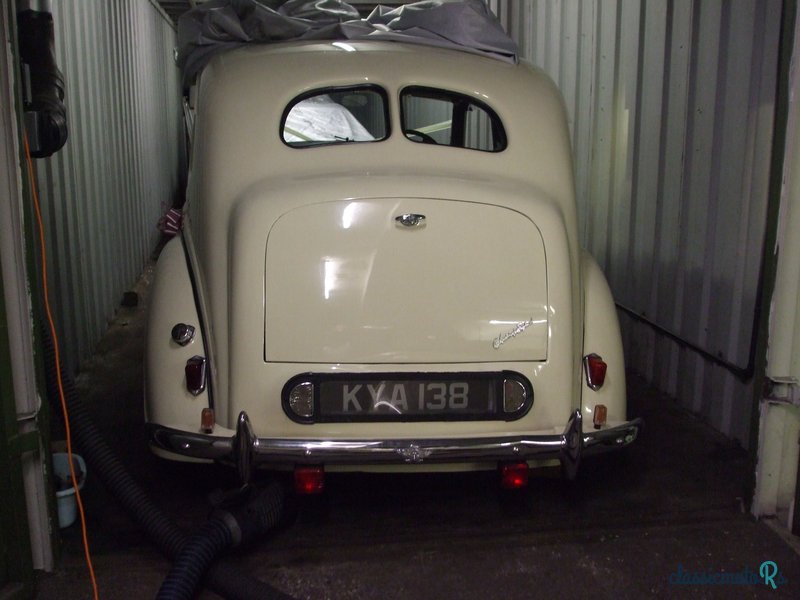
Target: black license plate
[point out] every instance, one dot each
(421, 397)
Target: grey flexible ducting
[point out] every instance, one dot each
(223, 577)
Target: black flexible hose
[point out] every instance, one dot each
(254, 513)
(206, 544)
(224, 578)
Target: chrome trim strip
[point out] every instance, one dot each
(244, 450)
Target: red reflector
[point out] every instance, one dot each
(595, 371)
(600, 415)
(196, 375)
(514, 476)
(309, 480)
(207, 420)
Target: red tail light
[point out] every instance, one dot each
(196, 375)
(514, 476)
(309, 480)
(595, 369)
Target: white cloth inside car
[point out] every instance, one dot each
(320, 119)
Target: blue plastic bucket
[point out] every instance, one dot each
(65, 498)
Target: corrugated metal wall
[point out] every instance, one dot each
(671, 109)
(104, 192)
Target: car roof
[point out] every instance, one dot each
(242, 95)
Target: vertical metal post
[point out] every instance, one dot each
(769, 261)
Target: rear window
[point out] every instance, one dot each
(336, 116)
(434, 116)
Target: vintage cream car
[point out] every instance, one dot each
(379, 269)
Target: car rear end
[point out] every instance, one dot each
(396, 297)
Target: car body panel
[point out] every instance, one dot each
(344, 277)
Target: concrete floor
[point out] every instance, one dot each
(673, 502)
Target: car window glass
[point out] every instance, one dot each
(336, 116)
(433, 116)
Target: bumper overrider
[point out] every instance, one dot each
(244, 450)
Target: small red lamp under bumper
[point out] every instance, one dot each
(514, 476)
(309, 480)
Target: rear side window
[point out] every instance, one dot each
(336, 116)
(433, 116)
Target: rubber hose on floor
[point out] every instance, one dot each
(224, 578)
(254, 513)
(203, 547)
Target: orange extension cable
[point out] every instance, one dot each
(61, 395)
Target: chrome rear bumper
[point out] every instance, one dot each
(244, 450)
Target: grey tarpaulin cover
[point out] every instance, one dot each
(220, 25)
